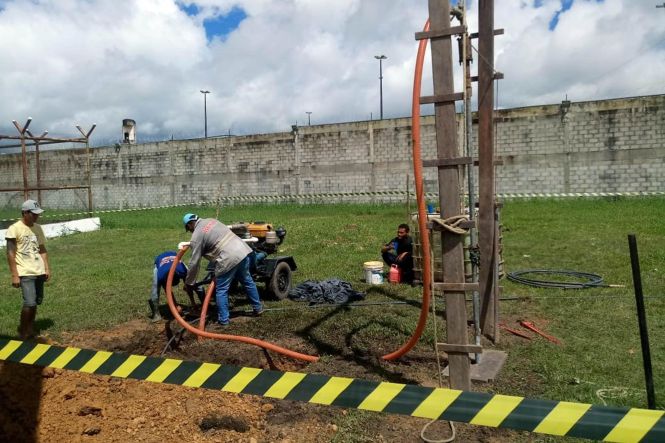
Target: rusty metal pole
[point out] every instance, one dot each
(486, 211)
(24, 157)
(449, 191)
(86, 138)
(87, 155)
(37, 142)
(39, 173)
(24, 163)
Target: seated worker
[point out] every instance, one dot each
(159, 276)
(399, 251)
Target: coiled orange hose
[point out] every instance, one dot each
(420, 197)
(239, 338)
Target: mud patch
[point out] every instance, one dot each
(214, 421)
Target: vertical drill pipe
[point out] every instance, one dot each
(471, 181)
(642, 320)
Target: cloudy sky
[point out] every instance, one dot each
(268, 62)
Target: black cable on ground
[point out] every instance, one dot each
(586, 280)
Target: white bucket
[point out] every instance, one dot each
(373, 272)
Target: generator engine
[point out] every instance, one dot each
(268, 239)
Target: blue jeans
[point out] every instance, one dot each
(223, 282)
(32, 287)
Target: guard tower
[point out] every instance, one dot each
(129, 131)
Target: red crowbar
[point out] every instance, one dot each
(514, 331)
(532, 327)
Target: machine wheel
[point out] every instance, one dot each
(280, 281)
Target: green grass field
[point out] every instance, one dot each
(103, 278)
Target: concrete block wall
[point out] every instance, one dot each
(601, 146)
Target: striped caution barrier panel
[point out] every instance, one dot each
(503, 411)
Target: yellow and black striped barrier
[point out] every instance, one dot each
(503, 411)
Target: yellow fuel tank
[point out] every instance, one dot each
(259, 229)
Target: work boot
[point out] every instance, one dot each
(154, 312)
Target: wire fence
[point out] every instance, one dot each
(379, 197)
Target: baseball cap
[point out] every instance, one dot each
(32, 206)
(189, 217)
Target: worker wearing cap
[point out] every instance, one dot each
(28, 264)
(216, 242)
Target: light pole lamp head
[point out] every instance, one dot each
(205, 92)
(380, 57)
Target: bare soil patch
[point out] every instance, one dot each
(55, 405)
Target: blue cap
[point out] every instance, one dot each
(189, 217)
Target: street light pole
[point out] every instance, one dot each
(205, 112)
(380, 58)
(309, 121)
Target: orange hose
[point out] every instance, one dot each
(204, 307)
(238, 338)
(420, 197)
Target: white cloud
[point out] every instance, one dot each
(99, 61)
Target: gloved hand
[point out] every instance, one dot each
(183, 244)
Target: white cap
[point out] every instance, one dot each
(32, 206)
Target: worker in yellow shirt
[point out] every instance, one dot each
(28, 264)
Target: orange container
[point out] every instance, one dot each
(259, 229)
(394, 276)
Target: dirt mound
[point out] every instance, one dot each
(54, 405)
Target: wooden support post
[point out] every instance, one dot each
(487, 210)
(449, 192)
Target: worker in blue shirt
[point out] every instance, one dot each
(159, 276)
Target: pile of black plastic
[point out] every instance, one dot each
(332, 291)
